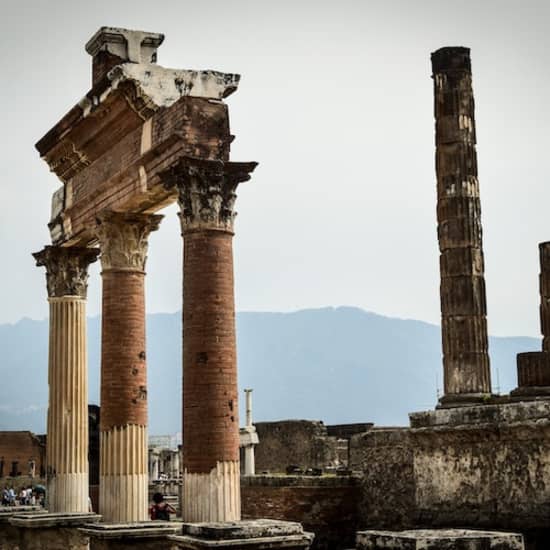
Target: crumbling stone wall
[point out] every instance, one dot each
(304, 443)
(480, 467)
(326, 506)
(384, 457)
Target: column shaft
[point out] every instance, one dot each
(211, 468)
(67, 438)
(123, 480)
(210, 411)
(463, 303)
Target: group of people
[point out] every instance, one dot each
(26, 497)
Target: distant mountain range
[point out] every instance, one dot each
(332, 364)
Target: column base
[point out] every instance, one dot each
(214, 496)
(147, 535)
(45, 531)
(249, 534)
(438, 539)
(68, 493)
(531, 392)
(452, 400)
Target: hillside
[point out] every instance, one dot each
(334, 364)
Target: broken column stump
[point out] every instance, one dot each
(534, 366)
(250, 534)
(438, 539)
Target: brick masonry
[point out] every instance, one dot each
(209, 356)
(21, 448)
(326, 506)
(123, 372)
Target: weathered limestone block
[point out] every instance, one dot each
(52, 531)
(252, 534)
(445, 539)
(150, 535)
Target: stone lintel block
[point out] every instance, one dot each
(438, 539)
(56, 520)
(533, 369)
(475, 415)
(253, 534)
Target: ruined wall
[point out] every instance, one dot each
(481, 467)
(304, 443)
(384, 457)
(326, 506)
(21, 448)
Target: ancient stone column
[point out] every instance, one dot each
(211, 477)
(123, 424)
(463, 304)
(534, 366)
(67, 448)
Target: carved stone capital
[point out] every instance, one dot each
(123, 239)
(66, 269)
(207, 191)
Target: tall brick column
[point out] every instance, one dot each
(211, 475)
(534, 366)
(463, 304)
(123, 424)
(67, 449)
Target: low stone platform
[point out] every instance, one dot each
(45, 531)
(9, 535)
(249, 534)
(438, 539)
(147, 535)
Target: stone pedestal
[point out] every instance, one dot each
(436, 539)
(463, 304)
(206, 195)
(251, 534)
(151, 535)
(67, 449)
(9, 535)
(52, 531)
(123, 423)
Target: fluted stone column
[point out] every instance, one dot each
(211, 477)
(123, 424)
(534, 366)
(67, 431)
(463, 303)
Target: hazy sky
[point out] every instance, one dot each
(335, 103)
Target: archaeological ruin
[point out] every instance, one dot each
(474, 472)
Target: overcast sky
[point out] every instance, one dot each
(336, 105)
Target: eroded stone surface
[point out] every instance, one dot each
(444, 539)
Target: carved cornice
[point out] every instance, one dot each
(207, 191)
(123, 239)
(66, 269)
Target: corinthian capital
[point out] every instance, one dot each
(66, 269)
(123, 239)
(206, 191)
